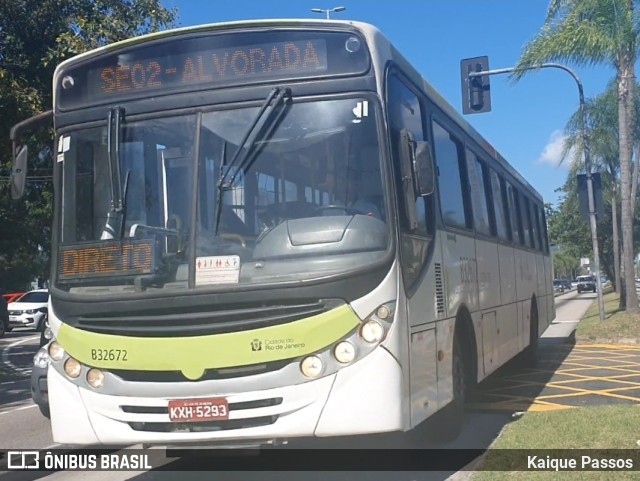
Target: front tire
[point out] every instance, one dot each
(44, 410)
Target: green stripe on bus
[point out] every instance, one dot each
(193, 355)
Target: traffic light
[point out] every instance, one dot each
(476, 91)
(583, 196)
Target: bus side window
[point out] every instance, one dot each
(477, 174)
(499, 207)
(535, 224)
(516, 221)
(543, 231)
(450, 161)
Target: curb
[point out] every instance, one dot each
(621, 342)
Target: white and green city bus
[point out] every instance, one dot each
(276, 229)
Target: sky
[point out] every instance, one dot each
(528, 117)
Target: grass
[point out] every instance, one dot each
(599, 427)
(617, 327)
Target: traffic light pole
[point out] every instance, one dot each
(587, 164)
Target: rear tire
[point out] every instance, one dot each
(529, 356)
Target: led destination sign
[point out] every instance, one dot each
(211, 61)
(129, 257)
(212, 65)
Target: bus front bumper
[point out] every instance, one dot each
(365, 397)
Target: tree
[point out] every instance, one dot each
(35, 36)
(589, 32)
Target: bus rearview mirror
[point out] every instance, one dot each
(19, 172)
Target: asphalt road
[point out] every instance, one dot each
(23, 426)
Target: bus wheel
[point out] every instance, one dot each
(529, 357)
(44, 410)
(446, 425)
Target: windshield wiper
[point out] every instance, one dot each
(114, 226)
(241, 158)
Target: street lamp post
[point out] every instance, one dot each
(328, 11)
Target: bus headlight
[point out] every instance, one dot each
(95, 378)
(344, 352)
(311, 366)
(372, 331)
(56, 351)
(72, 368)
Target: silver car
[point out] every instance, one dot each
(30, 310)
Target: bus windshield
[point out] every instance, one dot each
(305, 200)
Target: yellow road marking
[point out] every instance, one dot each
(572, 369)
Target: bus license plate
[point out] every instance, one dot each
(195, 410)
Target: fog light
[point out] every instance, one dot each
(311, 366)
(48, 333)
(95, 378)
(72, 368)
(345, 352)
(56, 351)
(383, 312)
(41, 359)
(372, 332)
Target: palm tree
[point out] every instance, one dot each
(591, 32)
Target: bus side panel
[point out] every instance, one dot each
(488, 274)
(445, 333)
(526, 283)
(423, 309)
(542, 279)
(460, 278)
(424, 374)
(508, 321)
(507, 275)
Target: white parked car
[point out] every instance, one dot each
(30, 310)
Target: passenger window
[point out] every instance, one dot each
(526, 220)
(543, 231)
(535, 226)
(515, 219)
(499, 206)
(450, 161)
(479, 200)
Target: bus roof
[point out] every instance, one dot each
(382, 48)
